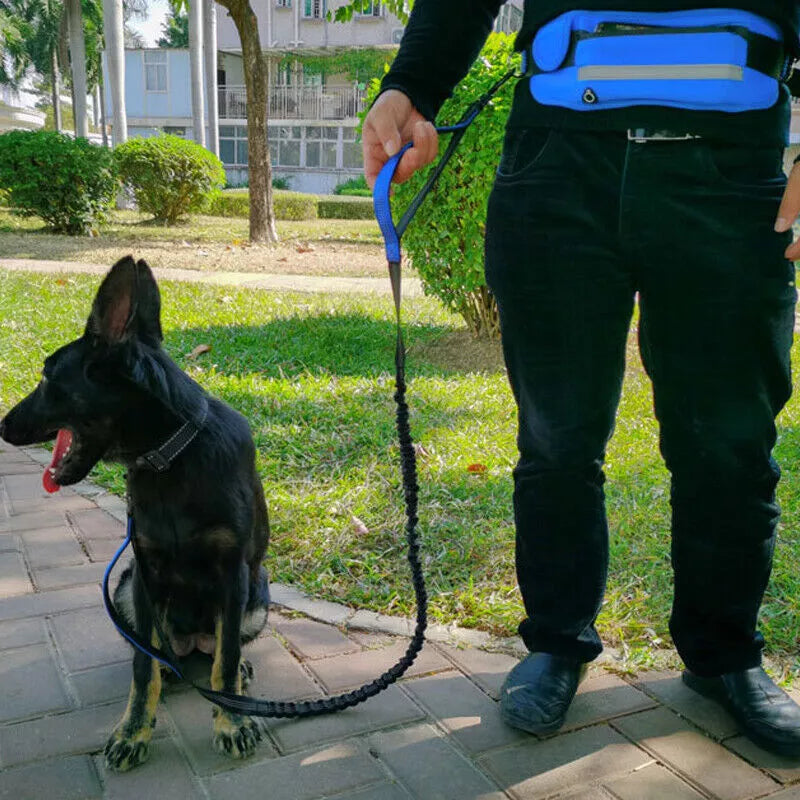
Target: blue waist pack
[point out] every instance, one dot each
(707, 59)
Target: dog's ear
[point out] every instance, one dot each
(148, 307)
(127, 304)
(113, 305)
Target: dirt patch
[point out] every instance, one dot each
(460, 351)
(291, 258)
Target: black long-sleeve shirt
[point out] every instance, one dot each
(444, 37)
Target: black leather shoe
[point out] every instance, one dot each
(766, 714)
(537, 692)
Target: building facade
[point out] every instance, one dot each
(18, 108)
(312, 118)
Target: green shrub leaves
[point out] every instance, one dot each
(69, 183)
(170, 177)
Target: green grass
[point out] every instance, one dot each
(312, 374)
(133, 227)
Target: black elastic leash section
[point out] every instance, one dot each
(241, 704)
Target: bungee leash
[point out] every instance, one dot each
(241, 704)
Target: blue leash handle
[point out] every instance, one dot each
(380, 193)
(383, 207)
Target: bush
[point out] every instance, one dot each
(170, 177)
(355, 186)
(277, 183)
(345, 207)
(445, 240)
(294, 205)
(69, 183)
(288, 205)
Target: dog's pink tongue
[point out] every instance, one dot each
(63, 441)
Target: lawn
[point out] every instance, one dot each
(322, 247)
(312, 374)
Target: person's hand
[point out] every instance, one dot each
(789, 210)
(391, 122)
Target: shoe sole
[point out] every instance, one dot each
(524, 725)
(709, 687)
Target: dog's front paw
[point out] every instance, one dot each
(235, 735)
(125, 751)
(246, 673)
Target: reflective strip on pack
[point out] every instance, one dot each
(662, 72)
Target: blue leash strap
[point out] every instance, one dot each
(167, 659)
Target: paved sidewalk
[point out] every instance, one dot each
(436, 735)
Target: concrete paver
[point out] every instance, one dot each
(435, 735)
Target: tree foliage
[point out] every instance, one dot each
(175, 29)
(69, 183)
(358, 64)
(400, 8)
(170, 177)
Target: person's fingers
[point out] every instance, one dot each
(381, 134)
(793, 251)
(426, 142)
(374, 159)
(790, 204)
(423, 150)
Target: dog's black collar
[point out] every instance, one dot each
(160, 459)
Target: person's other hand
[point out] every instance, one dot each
(391, 122)
(789, 210)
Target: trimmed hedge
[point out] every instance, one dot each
(288, 205)
(345, 207)
(355, 187)
(294, 205)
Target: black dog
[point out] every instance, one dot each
(197, 503)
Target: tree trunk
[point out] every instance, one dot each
(55, 80)
(262, 216)
(210, 51)
(101, 93)
(77, 51)
(115, 61)
(196, 70)
(96, 106)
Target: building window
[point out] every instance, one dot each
(283, 3)
(321, 146)
(233, 145)
(155, 71)
(352, 153)
(288, 139)
(318, 147)
(371, 9)
(313, 9)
